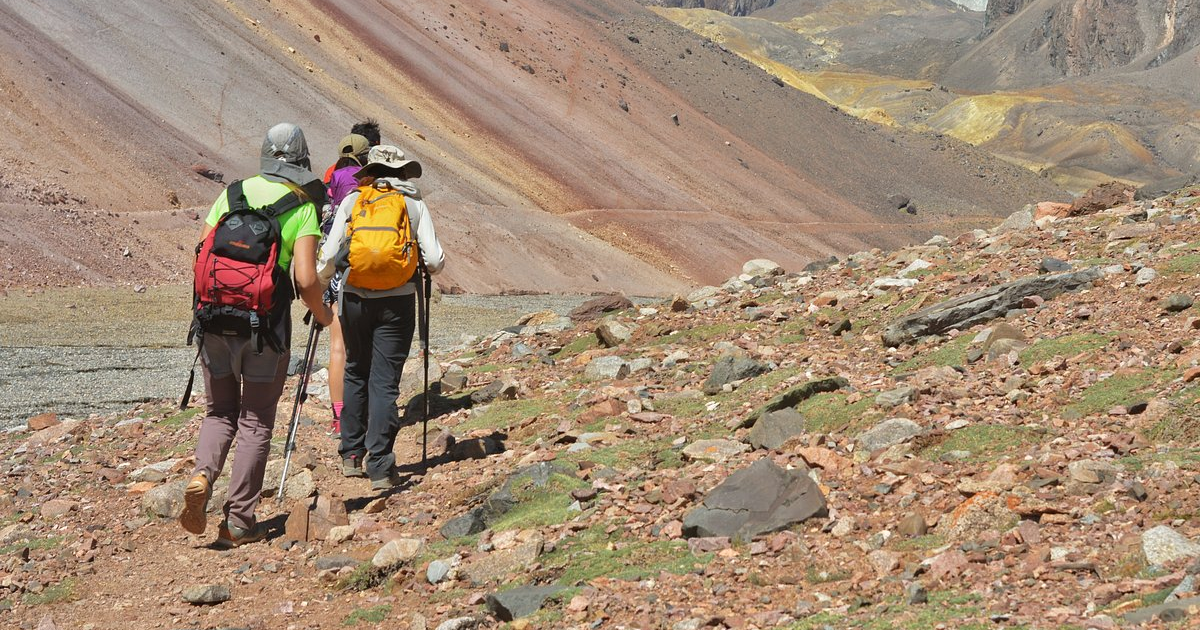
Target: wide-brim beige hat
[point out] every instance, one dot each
(386, 160)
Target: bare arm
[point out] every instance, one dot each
(304, 262)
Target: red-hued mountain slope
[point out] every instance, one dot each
(552, 159)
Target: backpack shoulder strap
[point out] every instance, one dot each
(282, 205)
(235, 197)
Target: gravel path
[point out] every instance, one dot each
(98, 350)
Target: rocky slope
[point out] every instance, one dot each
(993, 428)
(554, 136)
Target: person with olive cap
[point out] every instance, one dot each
(352, 156)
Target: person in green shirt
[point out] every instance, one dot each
(242, 383)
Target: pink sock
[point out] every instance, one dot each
(337, 409)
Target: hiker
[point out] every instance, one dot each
(368, 129)
(351, 157)
(245, 365)
(376, 303)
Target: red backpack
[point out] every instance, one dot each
(238, 280)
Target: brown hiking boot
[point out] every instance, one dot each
(230, 536)
(195, 504)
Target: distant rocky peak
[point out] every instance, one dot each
(972, 5)
(732, 7)
(1000, 10)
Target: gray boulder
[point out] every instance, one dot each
(890, 432)
(605, 368)
(521, 601)
(731, 368)
(165, 501)
(775, 428)
(984, 306)
(759, 499)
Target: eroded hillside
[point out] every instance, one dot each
(578, 146)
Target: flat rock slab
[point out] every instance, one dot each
(594, 308)
(1173, 611)
(521, 601)
(714, 450)
(759, 499)
(984, 306)
(501, 564)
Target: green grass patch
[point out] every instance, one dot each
(668, 458)
(984, 441)
(1120, 390)
(920, 543)
(366, 576)
(580, 345)
(64, 591)
(1183, 264)
(33, 544)
(945, 608)
(628, 452)
(592, 554)
(831, 412)
(538, 507)
(795, 331)
(705, 332)
(486, 368)
(1066, 346)
(1181, 423)
(1185, 458)
(504, 414)
(375, 614)
(182, 418)
(950, 353)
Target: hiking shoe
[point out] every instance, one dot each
(230, 535)
(195, 504)
(386, 483)
(352, 467)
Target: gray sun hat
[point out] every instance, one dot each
(285, 155)
(386, 160)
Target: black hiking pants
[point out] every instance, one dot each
(378, 333)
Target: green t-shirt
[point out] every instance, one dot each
(293, 224)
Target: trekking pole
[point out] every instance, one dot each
(427, 288)
(310, 353)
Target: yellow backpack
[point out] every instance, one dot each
(382, 249)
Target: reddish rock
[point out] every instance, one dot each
(948, 564)
(604, 409)
(593, 309)
(1102, 197)
(56, 508)
(311, 519)
(1052, 209)
(42, 421)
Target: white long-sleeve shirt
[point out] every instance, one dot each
(422, 225)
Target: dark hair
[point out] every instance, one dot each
(345, 161)
(368, 129)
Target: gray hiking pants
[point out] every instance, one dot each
(242, 390)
